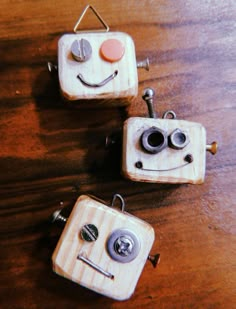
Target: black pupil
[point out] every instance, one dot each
(155, 139)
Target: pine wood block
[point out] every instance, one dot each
(169, 165)
(107, 220)
(125, 84)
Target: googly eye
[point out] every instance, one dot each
(81, 50)
(112, 50)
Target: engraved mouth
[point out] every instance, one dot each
(96, 85)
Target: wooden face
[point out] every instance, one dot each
(164, 150)
(119, 249)
(105, 56)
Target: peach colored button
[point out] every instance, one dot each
(112, 50)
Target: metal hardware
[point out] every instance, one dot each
(154, 259)
(98, 17)
(89, 232)
(52, 68)
(81, 50)
(122, 202)
(57, 217)
(102, 83)
(188, 158)
(169, 115)
(178, 139)
(212, 148)
(148, 95)
(154, 140)
(139, 164)
(114, 139)
(144, 64)
(109, 141)
(95, 266)
(123, 246)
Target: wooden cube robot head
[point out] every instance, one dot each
(98, 65)
(103, 249)
(164, 150)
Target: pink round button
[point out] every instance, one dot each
(112, 50)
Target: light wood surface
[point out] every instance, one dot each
(53, 151)
(107, 220)
(123, 86)
(168, 165)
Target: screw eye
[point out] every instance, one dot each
(139, 164)
(81, 50)
(188, 158)
(89, 232)
(123, 246)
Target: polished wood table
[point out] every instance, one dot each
(53, 151)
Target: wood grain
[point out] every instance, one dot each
(123, 86)
(52, 151)
(168, 165)
(107, 220)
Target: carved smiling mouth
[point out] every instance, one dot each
(102, 83)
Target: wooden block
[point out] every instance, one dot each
(123, 86)
(169, 165)
(123, 276)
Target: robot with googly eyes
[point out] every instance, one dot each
(98, 65)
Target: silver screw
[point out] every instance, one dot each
(89, 232)
(52, 68)
(124, 245)
(57, 217)
(143, 64)
(148, 95)
(81, 50)
(154, 259)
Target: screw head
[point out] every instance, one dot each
(143, 64)
(148, 94)
(139, 164)
(212, 148)
(89, 232)
(58, 218)
(55, 215)
(154, 259)
(81, 50)
(188, 158)
(123, 246)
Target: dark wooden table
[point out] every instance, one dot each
(52, 151)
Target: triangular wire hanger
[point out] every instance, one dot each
(106, 27)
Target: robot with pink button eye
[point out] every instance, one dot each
(98, 65)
